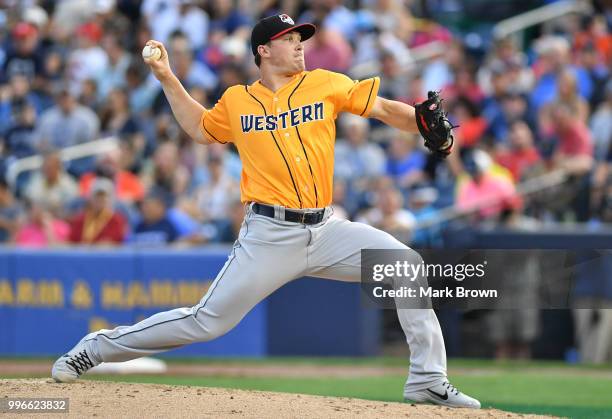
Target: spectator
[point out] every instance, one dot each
(41, 228)
(333, 15)
(66, 124)
(19, 90)
(99, 223)
(601, 125)
(567, 95)
(598, 73)
(339, 199)
(355, 157)
(182, 15)
(52, 187)
(141, 90)
(165, 171)
(112, 165)
(574, 151)
(116, 117)
(505, 55)
(471, 126)
(19, 139)
(329, 50)
(421, 202)
(439, 70)
(394, 83)
(392, 16)
(156, 227)
(24, 55)
(227, 230)
(553, 61)
(213, 198)
(464, 85)
(88, 60)
(484, 191)
(595, 34)
(492, 108)
(406, 162)
(89, 96)
(114, 75)
(514, 107)
(521, 155)
(10, 210)
(229, 20)
(388, 215)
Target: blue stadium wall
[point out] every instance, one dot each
(50, 299)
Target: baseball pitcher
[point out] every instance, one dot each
(283, 126)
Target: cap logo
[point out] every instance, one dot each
(286, 19)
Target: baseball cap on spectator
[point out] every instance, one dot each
(233, 46)
(424, 195)
(551, 44)
(90, 30)
(36, 15)
(272, 27)
(498, 67)
(24, 30)
(102, 185)
(161, 195)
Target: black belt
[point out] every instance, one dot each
(308, 217)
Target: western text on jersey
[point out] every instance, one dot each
(291, 118)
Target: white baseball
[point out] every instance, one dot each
(150, 52)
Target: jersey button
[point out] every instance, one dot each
(278, 110)
(297, 159)
(286, 134)
(305, 188)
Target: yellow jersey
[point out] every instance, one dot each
(286, 138)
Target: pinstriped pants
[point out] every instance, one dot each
(268, 254)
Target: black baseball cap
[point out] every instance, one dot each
(272, 27)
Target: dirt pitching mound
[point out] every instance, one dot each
(128, 400)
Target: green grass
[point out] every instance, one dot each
(550, 388)
(566, 396)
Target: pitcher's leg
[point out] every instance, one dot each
(336, 254)
(255, 268)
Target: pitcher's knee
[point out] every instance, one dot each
(211, 327)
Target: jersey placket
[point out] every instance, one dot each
(294, 157)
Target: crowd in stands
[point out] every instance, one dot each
(71, 73)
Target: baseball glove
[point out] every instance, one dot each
(434, 126)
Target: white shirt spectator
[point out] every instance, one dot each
(59, 129)
(87, 63)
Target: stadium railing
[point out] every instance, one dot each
(89, 149)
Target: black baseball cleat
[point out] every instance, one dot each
(72, 365)
(444, 394)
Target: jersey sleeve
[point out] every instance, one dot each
(356, 97)
(215, 122)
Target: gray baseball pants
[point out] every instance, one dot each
(268, 254)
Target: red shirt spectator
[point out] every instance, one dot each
(575, 139)
(99, 223)
(522, 153)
